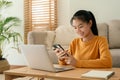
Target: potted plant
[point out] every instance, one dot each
(7, 34)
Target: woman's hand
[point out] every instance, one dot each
(64, 55)
(70, 60)
(60, 53)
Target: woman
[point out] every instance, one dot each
(89, 50)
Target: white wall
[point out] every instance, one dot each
(16, 10)
(104, 10)
(64, 12)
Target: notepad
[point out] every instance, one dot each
(104, 75)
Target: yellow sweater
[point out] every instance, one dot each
(91, 54)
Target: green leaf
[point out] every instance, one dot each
(5, 4)
(13, 21)
(7, 34)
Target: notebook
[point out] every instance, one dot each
(37, 57)
(98, 74)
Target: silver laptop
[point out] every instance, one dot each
(37, 57)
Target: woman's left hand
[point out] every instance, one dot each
(70, 59)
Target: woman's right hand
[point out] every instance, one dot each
(61, 54)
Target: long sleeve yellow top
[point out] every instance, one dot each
(91, 54)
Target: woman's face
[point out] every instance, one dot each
(83, 29)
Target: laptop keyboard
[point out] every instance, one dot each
(62, 68)
(59, 68)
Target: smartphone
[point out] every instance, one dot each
(59, 47)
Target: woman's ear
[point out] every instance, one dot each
(90, 23)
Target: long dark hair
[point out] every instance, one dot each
(86, 16)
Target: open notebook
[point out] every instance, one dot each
(98, 74)
(37, 57)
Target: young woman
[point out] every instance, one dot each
(89, 50)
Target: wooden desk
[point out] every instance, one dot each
(67, 75)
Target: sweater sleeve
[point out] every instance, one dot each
(104, 61)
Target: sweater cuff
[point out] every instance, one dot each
(79, 64)
(62, 62)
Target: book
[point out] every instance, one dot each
(98, 74)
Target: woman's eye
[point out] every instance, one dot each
(80, 26)
(75, 28)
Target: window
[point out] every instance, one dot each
(40, 15)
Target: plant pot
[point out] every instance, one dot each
(4, 65)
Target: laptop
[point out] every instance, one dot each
(37, 57)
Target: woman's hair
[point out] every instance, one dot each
(86, 16)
